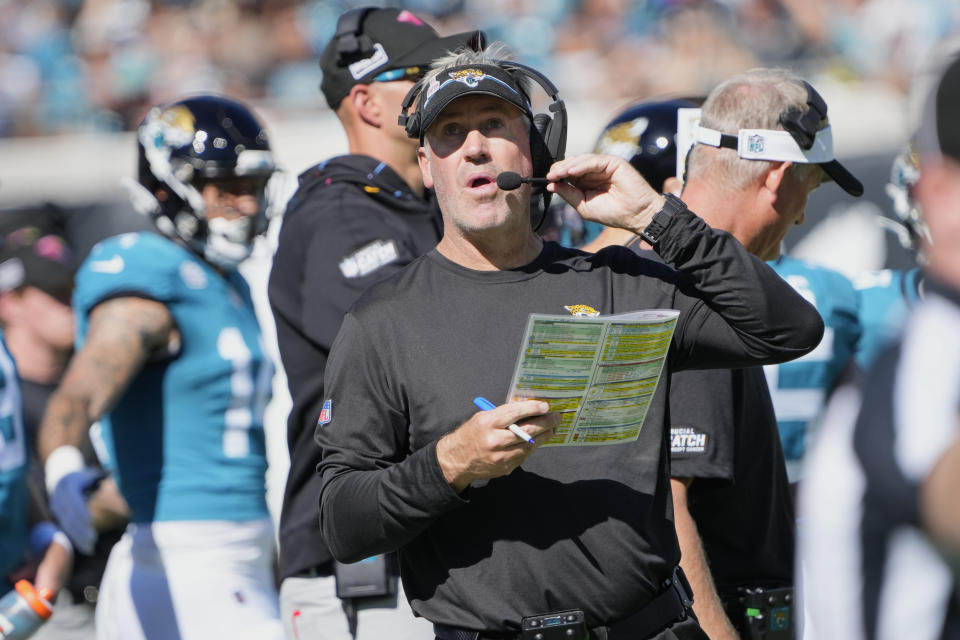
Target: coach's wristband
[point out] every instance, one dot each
(63, 460)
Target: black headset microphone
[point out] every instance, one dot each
(510, 180)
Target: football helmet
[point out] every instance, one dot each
(187, 144)
(645, 135)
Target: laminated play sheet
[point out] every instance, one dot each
(600, 372)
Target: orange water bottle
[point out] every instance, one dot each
(23, 611)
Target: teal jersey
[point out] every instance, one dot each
(13, 469)
(186, 438)
(886, 297)
(799, 388)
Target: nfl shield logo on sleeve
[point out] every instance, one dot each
(326, 413)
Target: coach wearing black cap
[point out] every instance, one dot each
(353, 220)
(496, 534)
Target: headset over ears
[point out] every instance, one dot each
(551, 130)
(548, 131)
(550, 139)
(352, 42)
(803, 126)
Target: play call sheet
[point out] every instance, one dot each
(599, 372)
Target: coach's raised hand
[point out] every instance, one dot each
(605, 189)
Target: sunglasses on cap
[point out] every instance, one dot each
(408, 73)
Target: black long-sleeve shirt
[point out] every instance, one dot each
(572, 527)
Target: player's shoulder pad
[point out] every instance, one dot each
(140, 263)
(816, 274)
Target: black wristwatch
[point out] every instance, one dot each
(662, 219)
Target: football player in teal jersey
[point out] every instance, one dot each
(887, 295)
(800, 388)
(170, 358)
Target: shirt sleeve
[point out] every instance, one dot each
(742, 312)
(701, 425)
(131, 264)
(396, 495)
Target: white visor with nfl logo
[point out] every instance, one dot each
(768, 144)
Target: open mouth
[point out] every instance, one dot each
(479, 181)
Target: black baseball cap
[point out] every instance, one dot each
(369, 41)
(939, 128)
(470, 79)
(32, 256)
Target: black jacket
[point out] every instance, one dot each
(351, 222)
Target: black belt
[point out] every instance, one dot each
(672, 605)
(443, 632)
(324, 569)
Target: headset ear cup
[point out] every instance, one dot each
(802, 125)
(542, 159)
(792, 121)
(541, 121)
(410, 121)
(412, 125)
(352, 43)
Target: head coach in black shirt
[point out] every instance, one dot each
(492, 530)
(353, 220)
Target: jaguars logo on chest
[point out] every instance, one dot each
(582, 311)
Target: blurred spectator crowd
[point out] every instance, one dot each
(95, 65)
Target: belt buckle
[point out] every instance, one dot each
(557, 625)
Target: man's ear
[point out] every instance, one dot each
(364, 104)
(424, 162)
(775, 176)
(673, 185)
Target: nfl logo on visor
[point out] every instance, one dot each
(755, 144)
